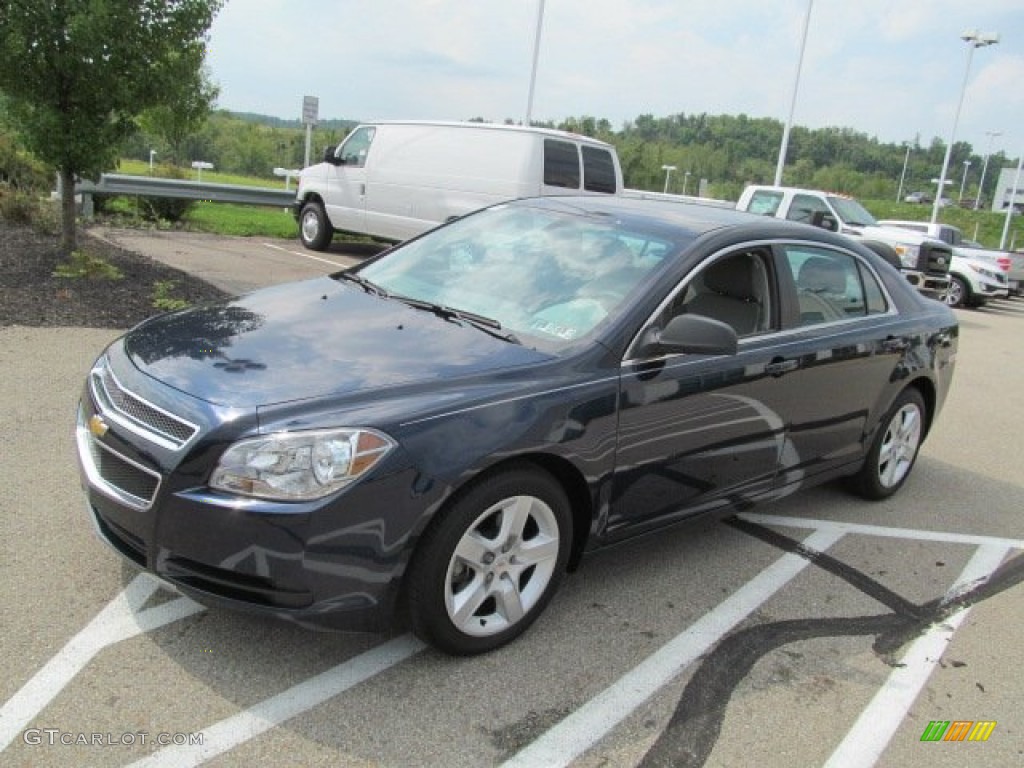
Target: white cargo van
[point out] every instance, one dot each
(394, 180)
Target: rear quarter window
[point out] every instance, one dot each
(561, 164)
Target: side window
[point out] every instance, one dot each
(598, 170)
(873, 296)
(561, 164)
(734, 288)
(765, 203)
(804, 207)
(355, 148)
(832, 286)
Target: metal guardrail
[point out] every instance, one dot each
(182, 189)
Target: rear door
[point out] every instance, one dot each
(842, 346)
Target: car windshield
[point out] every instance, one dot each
(852, 212)
(544, 276)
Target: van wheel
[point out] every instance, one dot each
(314, 228)
(490, 563)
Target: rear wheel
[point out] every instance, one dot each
(894, 450)
(487, 567)
(314, 229)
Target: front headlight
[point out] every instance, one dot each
(989, 273)
(299, 466)
(908, 254)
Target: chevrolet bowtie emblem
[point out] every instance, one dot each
(98, 426)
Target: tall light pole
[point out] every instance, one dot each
(963, 181)
(536, 55)
(984, 166)
(906, 159)
(1010, 205)
(974, 39)
(668, 170)
(792, 103)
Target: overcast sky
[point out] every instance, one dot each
(892, 69)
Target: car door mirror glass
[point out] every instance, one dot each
(696, 334)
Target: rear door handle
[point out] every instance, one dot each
(779, 367)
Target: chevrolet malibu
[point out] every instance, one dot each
(438, 435)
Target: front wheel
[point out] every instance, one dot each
(314, 229)
(490, 563)
(957, 294)
(894, 450)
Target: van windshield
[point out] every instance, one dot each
(549, 277)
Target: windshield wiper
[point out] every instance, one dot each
(488, 325)
(366, 285)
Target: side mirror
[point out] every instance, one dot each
(824, 220)
(694, 334)
(329, 156)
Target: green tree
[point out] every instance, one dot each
(178, 120)
(78, 72)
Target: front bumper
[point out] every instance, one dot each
(335, 563)
(931, 285)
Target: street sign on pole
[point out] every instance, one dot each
(310, 113)
(310, 109)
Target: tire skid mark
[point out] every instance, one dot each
(692, 732)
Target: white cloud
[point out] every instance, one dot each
(889, 68)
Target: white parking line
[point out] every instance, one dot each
(119, 620)
(874, 729)
(860, 529)
(564, 742)
(231, 732)
(307, 255)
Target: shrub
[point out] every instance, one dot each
(168, 209)
(85, 265)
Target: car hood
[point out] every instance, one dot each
(311, 339)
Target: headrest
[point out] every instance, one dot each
(822, 275)
(732, 277)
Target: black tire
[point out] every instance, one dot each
(314, 228)
(490, 563)
(895, 448)
(958, 294)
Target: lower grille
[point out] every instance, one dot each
(113, 474)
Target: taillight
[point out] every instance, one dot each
(1004, 263)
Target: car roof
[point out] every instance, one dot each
(680, 220)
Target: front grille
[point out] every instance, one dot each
(934, 259)
(136, 414)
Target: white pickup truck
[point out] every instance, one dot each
(922, 259)
(976, 274)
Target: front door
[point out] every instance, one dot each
(697, 432)
(346, 188)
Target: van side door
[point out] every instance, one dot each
(345, 200)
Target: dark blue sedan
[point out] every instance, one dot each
(441, 433)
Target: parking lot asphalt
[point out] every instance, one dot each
(716, 644)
